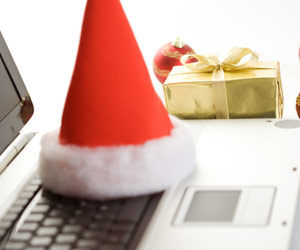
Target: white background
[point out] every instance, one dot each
(43, 37)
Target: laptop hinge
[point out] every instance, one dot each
(14, 149)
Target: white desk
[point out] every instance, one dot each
(43, 38)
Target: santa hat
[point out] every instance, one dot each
(116, 138)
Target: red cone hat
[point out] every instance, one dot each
(116, 138)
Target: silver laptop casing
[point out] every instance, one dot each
(234, 154)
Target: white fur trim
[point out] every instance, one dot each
(117, 171)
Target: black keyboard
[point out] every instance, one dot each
(59, 223)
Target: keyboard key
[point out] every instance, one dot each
(26, 195)
(87, 243)
(94, 234)
(21, 202)
(35, 217)
(22, 236)
(66, 238)
(133, 209)
(84, 203)
(103, 208)
(5, 224)
(29, 227)
(47, 231)
(36, 181)
(31, 188)
(72, 228)
(10, 217)
(41, 208)
(15, 246)
(53, 221)
(41, 241)
(78, 212)
(16, 209)
(60, 247)
(58, 212)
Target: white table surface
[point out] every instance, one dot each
(43, 37)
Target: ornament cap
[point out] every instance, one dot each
(178, 43)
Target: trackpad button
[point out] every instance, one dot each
(226, 206)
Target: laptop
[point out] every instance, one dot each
(242, 196)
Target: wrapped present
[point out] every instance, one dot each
(239, 87)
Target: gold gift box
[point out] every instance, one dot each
(251, 93)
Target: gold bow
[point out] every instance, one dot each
(211, 63)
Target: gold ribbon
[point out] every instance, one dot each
(211, 63)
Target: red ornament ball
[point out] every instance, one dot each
(298, 105)
(169, 56)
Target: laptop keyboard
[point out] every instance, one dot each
(59, 223)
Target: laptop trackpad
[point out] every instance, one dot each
(226, 206)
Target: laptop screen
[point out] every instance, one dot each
(15, 104)
(8, 94)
